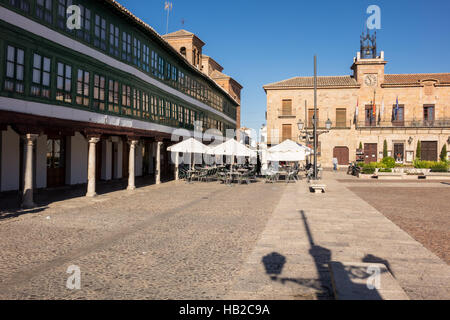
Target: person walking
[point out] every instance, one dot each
(335, 164)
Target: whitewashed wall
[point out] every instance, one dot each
(106, 160)
(77, 160)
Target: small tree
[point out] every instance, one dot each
(418, 150)
(385, 149)
(444, 153)
(360, 146)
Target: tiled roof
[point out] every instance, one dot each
(308, 82)
(400, 79)
(219, 75)
(179, 33)
(163, 42)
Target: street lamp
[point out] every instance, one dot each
(328, 124)
(307, 135)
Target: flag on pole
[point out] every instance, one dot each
(396, 110)
(357, 108)
(374, 106)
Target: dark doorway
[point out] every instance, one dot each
(342, 154)
(370, 152)
(56, 162)
(126, 158)
(98, 160)
(399, 152)
(429, 150)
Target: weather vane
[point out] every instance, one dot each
(168, 7)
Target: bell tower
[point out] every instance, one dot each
(368, 66)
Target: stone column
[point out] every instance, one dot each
(28, 187)
(131, 166)
(158, 162)
(91, 192)
(177, 166)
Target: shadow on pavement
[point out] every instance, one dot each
(10, 202)
(275, 262)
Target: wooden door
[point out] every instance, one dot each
(342, 154)
(370, 152)
(429, 151)
(287, 132)
(399, 152)
(56, 162)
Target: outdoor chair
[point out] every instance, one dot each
(272, 176)
(202, 175)
(291, 176)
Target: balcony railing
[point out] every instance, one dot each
(286, 113)
(439, 123)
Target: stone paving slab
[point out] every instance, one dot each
(307, 231)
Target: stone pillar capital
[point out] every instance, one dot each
(94, 140)
(30, 138)
(133, 143)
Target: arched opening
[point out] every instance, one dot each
(183, 51)
(342, 155)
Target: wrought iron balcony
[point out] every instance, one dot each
(438, 123)
(287, 113)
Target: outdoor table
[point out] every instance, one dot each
(190, 173)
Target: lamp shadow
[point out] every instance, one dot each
(275, 262)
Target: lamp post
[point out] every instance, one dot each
(315, 133)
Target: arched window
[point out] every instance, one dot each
(183, 51)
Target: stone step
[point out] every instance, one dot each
(364, 281)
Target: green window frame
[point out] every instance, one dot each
(114, 34)
(126, 46)
(113, 96)
(64, 82)
(100, 32)
(15, 69)
(99, 92)
(126, 100)
(137, 53)
(145, 105)
(85, 17)
(83, 82)
(137, 103)
(40, 76)
(23, 5)
(154, 63)
(146, 58)
(62, 16)
(44, 10)
(154, 107)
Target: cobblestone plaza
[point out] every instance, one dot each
(208, 241)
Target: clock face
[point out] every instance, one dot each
(371, 80)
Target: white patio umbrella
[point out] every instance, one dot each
(191, 146)
(232, 148)
(288, 151)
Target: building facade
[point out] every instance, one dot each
(366, 108)
(191, 46)
(98, 102)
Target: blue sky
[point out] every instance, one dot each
(259, 42)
